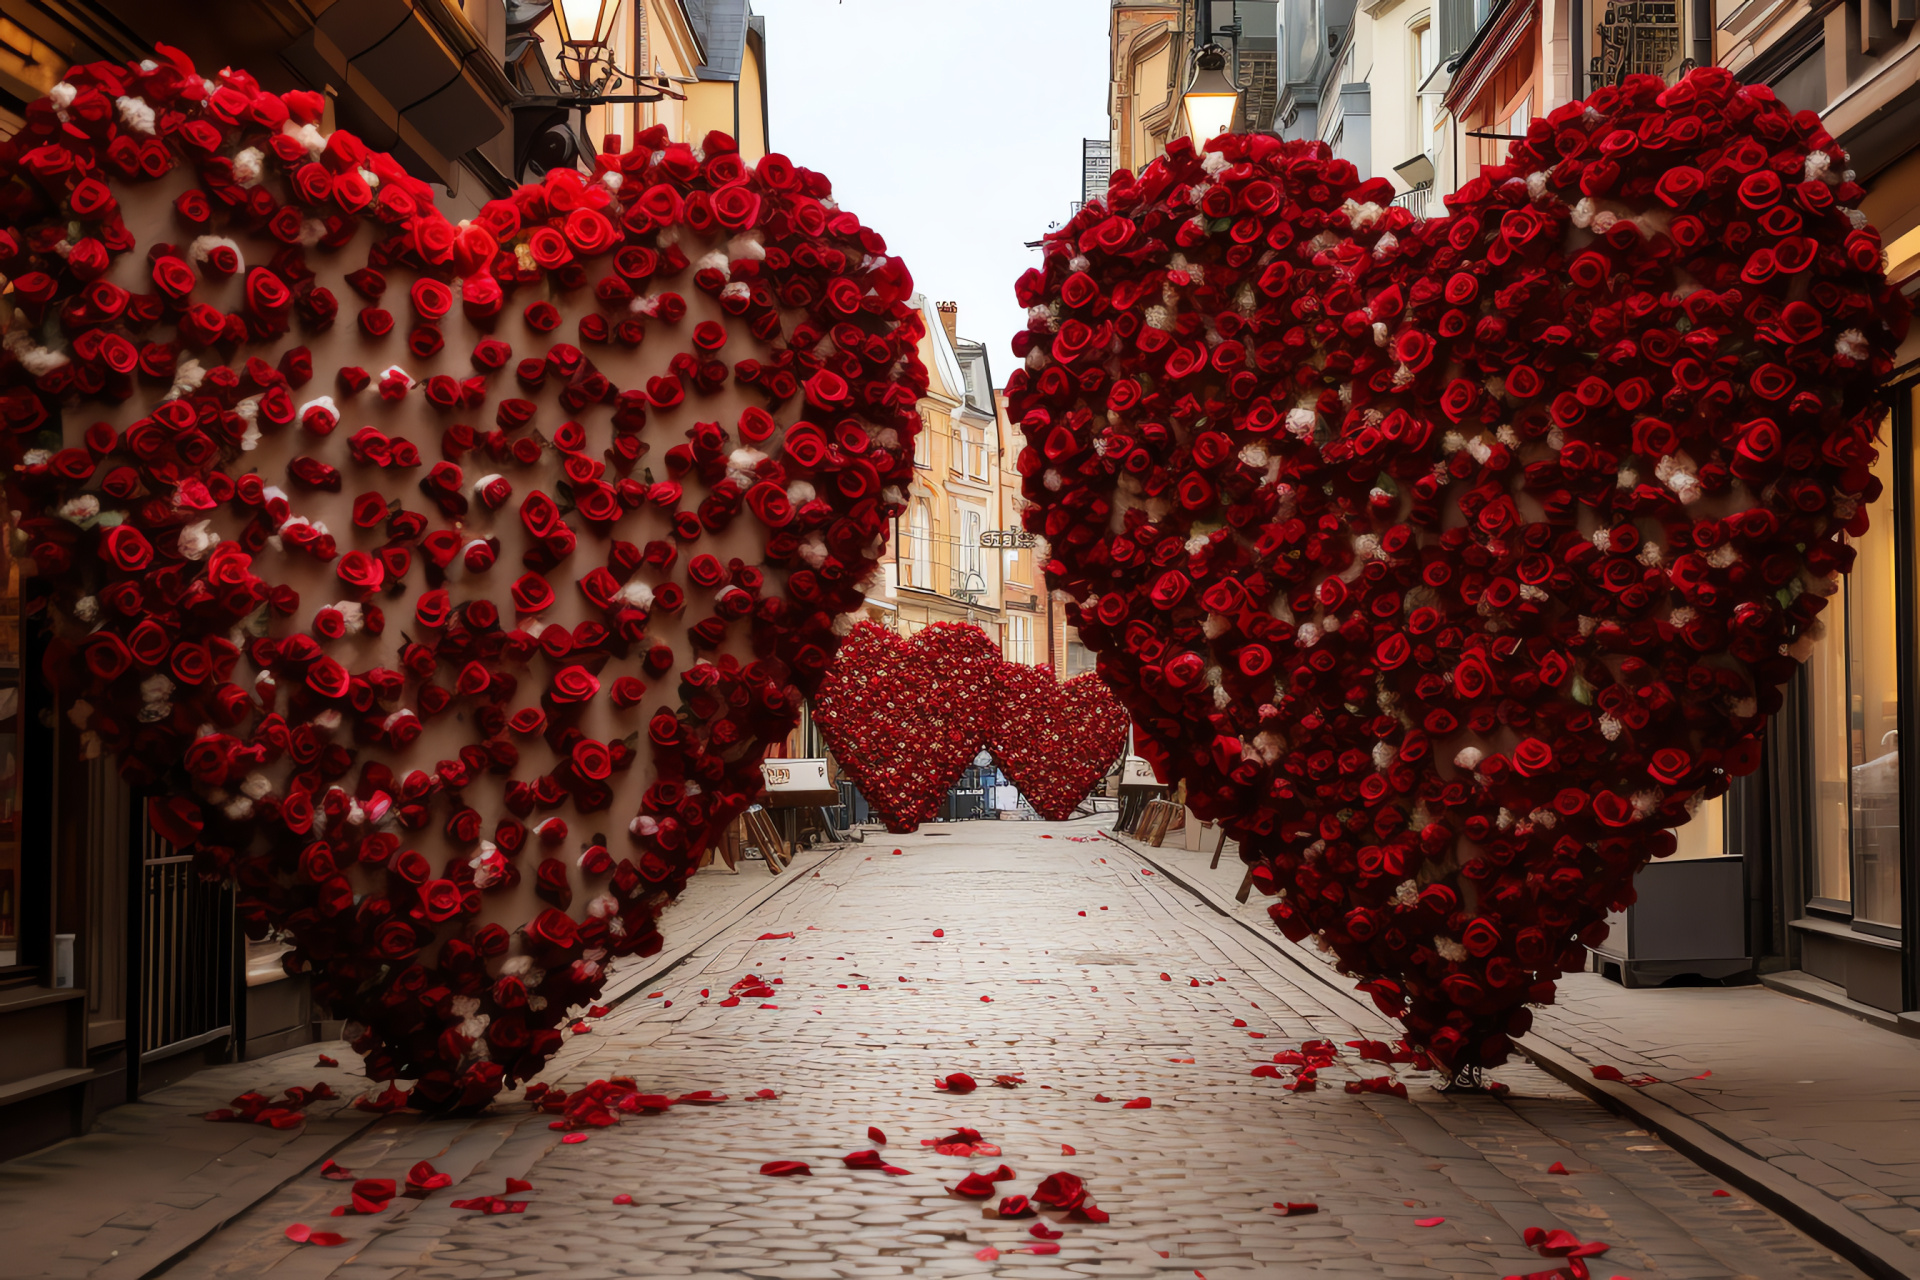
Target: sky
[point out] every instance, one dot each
(951, 128)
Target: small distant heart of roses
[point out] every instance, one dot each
(1055, 739)
(452, 628)
(905, 717)
(1453, 562)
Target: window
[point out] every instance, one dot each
(923, 444)
(12, 738)
(977, 452)
(1854, 704)
(919, 547)
(1426, 56)
(1079, 658)
(971, 525)
(1019, 643)
(1522, 116)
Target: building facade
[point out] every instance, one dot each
(119, 969)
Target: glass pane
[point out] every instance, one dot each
(1873, 690)
(1705, 836)
(1831, 874)
(10, 740)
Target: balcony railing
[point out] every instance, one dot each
(942, 563)
(1418, 202)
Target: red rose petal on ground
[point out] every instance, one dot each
(1556, 1167)
(958, 1082)
(1041, 1231)
(1289, 1208)
(772, 937)
(325, 1061)
(939, 933)
(1428, 1222)
(1040, 1248)
(975, 1186)
(765, 1093)
(1010, 1082)
(1719, 1192)
(326, 1239)
(1066, 1150)
(786, 1168)
(623, 1198)
(516, 1185)
(424, 1177)
(1138, 1104)
(1101, 1097)
(875, 1135)
(299, 1232)
(989, 1253)
(572, 1138)
(339, 1173)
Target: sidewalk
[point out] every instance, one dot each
(154, 1178)
(1826, 1104)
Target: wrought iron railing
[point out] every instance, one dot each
(187, 953)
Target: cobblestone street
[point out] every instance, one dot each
(969, 952)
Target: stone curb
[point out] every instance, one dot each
(183, 1243)
(1877, 1252)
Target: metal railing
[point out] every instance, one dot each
(942, 563)
(187, 953)
(1418, 202)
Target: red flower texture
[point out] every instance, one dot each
(1054, 739)
(906, 717)
(556, 701)
(1451, 563)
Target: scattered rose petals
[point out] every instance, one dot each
(623, 1198)
(975, 1186)
(989, 1253)
(875, 1135)
(339, 1173)
(772, 937)
(1292, 1208)
(1101, 1097)
(1556, 1167)
(1718, 1192)
(1041, 1231)
(1016, 1207)
(423, 1177)
(1067, 1150)
(572, 1138)
(1043, 1248)
(958, 1082)
(1138, 1104)
(1428, 1222)
(300, 1233)
(939, 933)
(786, 1168)
(1010, 1082)
(325, 1061)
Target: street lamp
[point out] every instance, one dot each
(586, 29)
(1211, 100)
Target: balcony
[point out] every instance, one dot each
(1419, 201)
(943, 564)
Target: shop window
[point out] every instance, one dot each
(12, 734)
(1854, 704)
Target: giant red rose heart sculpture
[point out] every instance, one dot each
(393, 610)
(905, 717)
(1451, 563)
(1055, 739)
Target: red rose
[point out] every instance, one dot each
(532, 594)
(573, 685)
(127, 548)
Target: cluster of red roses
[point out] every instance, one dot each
(1055, 739)
(1453, 562)
(905, 717)
(233, 626)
